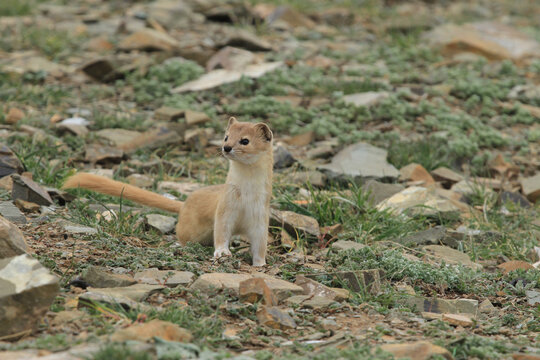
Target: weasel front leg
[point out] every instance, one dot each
(258, 236)
(224, 223)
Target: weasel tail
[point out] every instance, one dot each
(107, 186)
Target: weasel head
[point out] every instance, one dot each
(246, 142)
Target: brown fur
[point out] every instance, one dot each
(215, 213)
(107, 186)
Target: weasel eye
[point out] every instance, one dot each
(226, 138)
(244, 141)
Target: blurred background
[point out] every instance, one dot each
(407, 140)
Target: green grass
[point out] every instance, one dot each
(48, 342)
(160, 79)
(115, 351)
(36, 156)
(53, 44)
(479, 347)
(16, 7)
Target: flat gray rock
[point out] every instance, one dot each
(9, 211)
(170, 278)
(12, 241)
(315, 178)
(118, 137)
(282, 158)
(449, 255)
(417, 200)
(533, 297)
(293, 222)
(344, 245)
(29, 190)
(164, 224)
(441, 306)
(100, 278)
(128, 296)
(225, 281)
(360, 161)
(27, 290)
(9, 162)
(368, 98)
(78, 229)
(318, 302)
(531, 187)
(432, 236)
(378, 191)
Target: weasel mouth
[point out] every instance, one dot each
(228, 155)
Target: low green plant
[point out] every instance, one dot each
(16, 7)
(160, 79)
(399, 268)
(479, 347)
(115, 351)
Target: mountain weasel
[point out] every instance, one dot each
(215, 213)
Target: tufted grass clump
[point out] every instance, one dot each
(399, 268)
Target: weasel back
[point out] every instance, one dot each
(107, 186)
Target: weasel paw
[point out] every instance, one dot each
(259, 262)
(222, 252)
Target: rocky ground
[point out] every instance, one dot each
(406, 188)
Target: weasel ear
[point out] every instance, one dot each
(265, 131)
(232, 120)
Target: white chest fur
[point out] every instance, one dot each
(251, 189)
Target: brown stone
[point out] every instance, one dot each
(12, 242)
(170, 278)
(225, 281)
(515, 265)
(156, 137)
(98, 277)
(244, 39)
(73, 129)
(492, 40)
(197, 139)
(415, 172)
(525, 357)
(167, 113)
(9, 162)
(420, 350)
(287, 240)
(95, 153)
(27, 290)
(230, 58)
(220, 77)
(99, 44)
(149, 40)
(457, 320)
(313, 288)
(256, 289)
(275, 318)
(446, 176)
(362, 280)
(154, 328)
(27, 206)
(431, 316)
(101, 69)
(14, 115)
(28, 190)
(293, 222)
(531, 187)
(6, 183)
(302, 139)
(291, 17)
(195, 118)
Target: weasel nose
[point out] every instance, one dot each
(227, 149)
